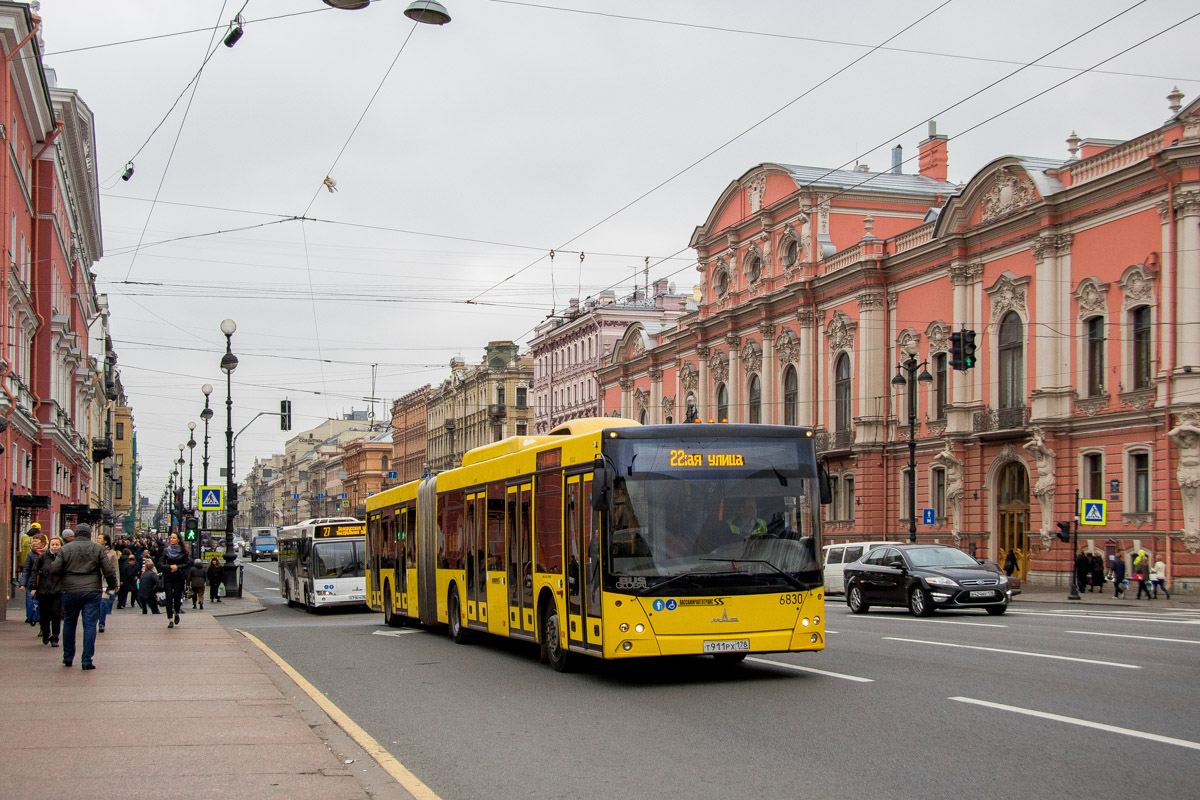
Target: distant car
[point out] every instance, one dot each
(924, 577)
(264, 547)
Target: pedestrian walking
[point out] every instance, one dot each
(1141, 574)
(83, 566)
(216, 576)
(1097, 573)
(37, 546)
(1083, 568)
(174, 566)
(1010, 563)
(197, 578)
(1118, 576)
(147, 588)
(1159, 579)
(48, 588)
(106, 602)
(129, 577)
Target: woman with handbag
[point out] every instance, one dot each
(47, 588)
(1141, 574)
(174, 566)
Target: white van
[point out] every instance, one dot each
(836, 557)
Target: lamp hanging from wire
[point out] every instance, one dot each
(235, 31)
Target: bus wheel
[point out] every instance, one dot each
(287, 593)
(454, 614)
(390, 618)
(552, 648)
(308, 606)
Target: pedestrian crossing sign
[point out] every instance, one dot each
(212, 498)
(1093, 512)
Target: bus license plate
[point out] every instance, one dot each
(727, 646)
(358, 597)
(984, 593)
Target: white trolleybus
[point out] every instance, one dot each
(321, 563)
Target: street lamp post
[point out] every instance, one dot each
(229, 363)
(205, 415)
(191, 464)
(910, 366)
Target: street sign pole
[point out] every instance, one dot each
(1074, 593)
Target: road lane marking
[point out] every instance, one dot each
(264, 569)
(1085, 723)
(953, 622)
(367, 742)
(1109, 617)
(1131, 636)
(396, 633)
(1016, 652)
(827, 673)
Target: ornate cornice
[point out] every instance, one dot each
(870, 301)
(965, 274)
(751, 358)
(1051, 244)
(1187, 204)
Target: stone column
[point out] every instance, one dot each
(1187, 303)
(963, 396)
(656, 395)
(735, 380)
(806, 370)
(872, 377)
(770, 403)
(1052, 387)
(703, 410)
(626, 385)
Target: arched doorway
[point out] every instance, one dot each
(1012, 510)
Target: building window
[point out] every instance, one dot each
(720, 282)
(522, 429)
(848, 492)
(384, 464)
(791, 397)
(120, 431)
(522, 396)
(941, 385)
(692, 412)
(938, 492)
(1010, 351)
(1093, 476)
(722, 404)
(500, 395)
(642, 417)
(119, 488)
(841, 384)
(835, 492)
(791, 253)
(1095, 356)
(907, 492)
(755, 400)
(1140, 463)
(1139, 319)
(754, 268)
(910, 389)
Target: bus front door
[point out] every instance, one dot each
(519, 534)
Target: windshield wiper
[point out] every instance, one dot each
(680, 576)
(786, 576)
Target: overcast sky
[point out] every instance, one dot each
(516, 129)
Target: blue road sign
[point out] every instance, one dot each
(295, 497)
(320, 495)
(392, 474)
(1093, 512)
(929, 516)
(344, 495)
(211, 498)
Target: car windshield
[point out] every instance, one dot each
(338, 560)
(266, 541)
(940, 557)
(750, 526)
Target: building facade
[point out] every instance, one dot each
(1078, 276)
(568, 350)
(479, 405)
(367, 463)
(410, 426)
(124, 468)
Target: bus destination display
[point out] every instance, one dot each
(338, 531)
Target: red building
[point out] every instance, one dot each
(51, 238)
(1079, 278)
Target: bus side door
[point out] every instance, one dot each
(519, 535)
(476, 564)
(583, 573)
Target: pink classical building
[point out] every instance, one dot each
(1079, 277)
(568, 349)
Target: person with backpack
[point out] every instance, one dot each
(147, 587)
(47, 587)
(197, 577)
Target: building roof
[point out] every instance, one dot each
(890, 182)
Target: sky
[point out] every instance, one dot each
(462, 155)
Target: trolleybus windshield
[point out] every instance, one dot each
(338, 559)
(729, 515)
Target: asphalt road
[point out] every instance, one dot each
(961, 705)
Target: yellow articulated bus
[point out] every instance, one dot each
(614, 540)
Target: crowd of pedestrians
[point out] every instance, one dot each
(1091, 575)
(70, 577)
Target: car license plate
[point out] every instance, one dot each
(727, 646)
(984, 593)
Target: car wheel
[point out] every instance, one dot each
(996, 611)
(454, 618)
(552, 647)
(919, 602)
(854, 599)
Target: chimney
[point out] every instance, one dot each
(897, 159)
(933, 159)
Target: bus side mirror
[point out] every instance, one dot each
(599, 486)
(823, 485)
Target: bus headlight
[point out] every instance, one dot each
(639, 627)
(804, 622)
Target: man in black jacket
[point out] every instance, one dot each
(82, 564)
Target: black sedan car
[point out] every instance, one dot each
(924, 577)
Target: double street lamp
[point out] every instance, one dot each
(229, 363)
(910, 366)
(205, 415)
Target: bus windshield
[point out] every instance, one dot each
(725, 515)
(338, 559)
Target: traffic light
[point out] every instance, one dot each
(968, 349)
(285, 415)
(191, 528)
(956, 350)
(1064, 531)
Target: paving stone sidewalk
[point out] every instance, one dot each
(195, 711)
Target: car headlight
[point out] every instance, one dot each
(939, 581)
(1003, 579)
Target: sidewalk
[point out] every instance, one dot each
(197, 711)
(1055, 594)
